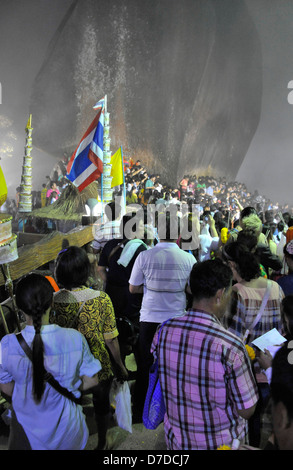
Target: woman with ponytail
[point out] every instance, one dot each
(42, 417)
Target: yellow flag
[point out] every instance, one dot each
(29, 122)
(3, 188)
(117, 168)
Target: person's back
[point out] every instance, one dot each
(161, 274)
(249, 298)
(205, 373)
(55, 423)
(43, 418)
(115, 265)
(107, 229)
(91, 312)
(166, 269)
(249, 291)
(198, 358)
(255, 309)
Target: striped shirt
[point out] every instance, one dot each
(106, 232)
(205, 375)
(164, 271)
(248, 303)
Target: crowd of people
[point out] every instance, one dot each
(215, 194)
(210, 263)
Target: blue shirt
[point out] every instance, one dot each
(55, 423)
(149, 184)
(286, 283)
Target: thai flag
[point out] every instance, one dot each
(86, 163)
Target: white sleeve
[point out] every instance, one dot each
(137, 275)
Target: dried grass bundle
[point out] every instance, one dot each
(70, 205)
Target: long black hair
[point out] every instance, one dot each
(72, 267)
(246, 262)
(34, 295)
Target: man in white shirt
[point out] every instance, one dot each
(161, 274)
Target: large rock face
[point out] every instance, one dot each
(183, 81)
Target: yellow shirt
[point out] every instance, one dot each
(43, 197)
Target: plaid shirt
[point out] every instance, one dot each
(205, 375)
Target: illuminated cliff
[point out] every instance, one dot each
(183, 80)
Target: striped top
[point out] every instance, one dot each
(205, 375)
(248, 303)
(106, 232)
(164, 271)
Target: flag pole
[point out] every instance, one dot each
(102, 198)
(102, 185)
(124, 187)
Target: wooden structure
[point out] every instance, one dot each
(32, 256)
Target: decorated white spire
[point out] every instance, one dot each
(25, 197)
(107, 191)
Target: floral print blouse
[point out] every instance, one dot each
(91, 313)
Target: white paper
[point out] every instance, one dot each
(269, 340)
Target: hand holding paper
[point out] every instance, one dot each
(265, 359)
(271, 341)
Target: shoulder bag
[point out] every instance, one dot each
(257, 318)
(154, 405)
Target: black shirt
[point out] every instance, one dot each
(117, 284)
